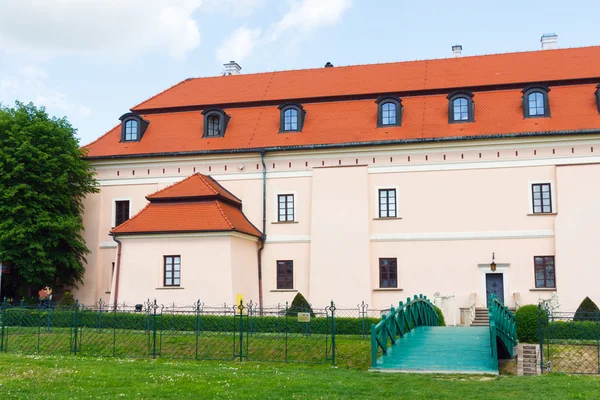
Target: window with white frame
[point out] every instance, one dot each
(285, 207)
(387, 203)
(172, 272)
(541, 195)
(122, 208)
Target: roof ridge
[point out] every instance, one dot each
(206, 183)
(173, 184)
(159, 93)
(218, 203)
(130, 219)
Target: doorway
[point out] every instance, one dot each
(494, 284)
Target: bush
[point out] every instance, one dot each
(587, 311)
(440, 314)
(300, 304)
(528, 320)
(66, 301)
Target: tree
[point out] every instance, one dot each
(300, 304)
(43, 182)
(587, 311)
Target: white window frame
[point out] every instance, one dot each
(552, 196)
(114, 200)
(294, 283)
(276, 206)
(376, 202)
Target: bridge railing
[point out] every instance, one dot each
(416, 312)
(503, 326)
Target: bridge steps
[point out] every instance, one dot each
(437, 349)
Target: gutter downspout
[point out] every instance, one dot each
(117, 270)
(264, 234)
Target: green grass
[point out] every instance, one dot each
(68, 377)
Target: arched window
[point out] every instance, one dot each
(291, 118)
(535, 102)
(461, 107)
(215, 122)
(131, 130)
(389, 111)
(290, 122)
(132, 127)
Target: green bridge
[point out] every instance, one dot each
(409, 339)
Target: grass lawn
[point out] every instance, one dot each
(67, 377)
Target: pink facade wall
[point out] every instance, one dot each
(456, 206)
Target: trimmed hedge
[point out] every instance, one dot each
(205, 322)
(440, 314)
(528, 324)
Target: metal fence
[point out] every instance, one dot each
(570, 342)
(198, 331)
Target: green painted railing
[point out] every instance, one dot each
(416, 312)
(503, 326)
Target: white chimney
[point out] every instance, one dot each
(457, 50)
(549, 41)
(231, 68)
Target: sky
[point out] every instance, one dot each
(92, 60)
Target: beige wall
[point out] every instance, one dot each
(457, 204)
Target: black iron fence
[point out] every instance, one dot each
(150, 330)
(570, 342)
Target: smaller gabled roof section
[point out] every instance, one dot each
(194, 187)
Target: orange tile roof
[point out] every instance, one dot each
(197, 216)
(425, 117)
(195, 186)
(460, 72)
(195, 204)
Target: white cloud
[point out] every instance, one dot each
(308, 15)
(124, 29)
(239, 45)
(304, 17)
(29, 84)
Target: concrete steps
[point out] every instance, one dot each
(482, 317)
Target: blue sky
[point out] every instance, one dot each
(91, 60)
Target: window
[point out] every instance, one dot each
(389, 111)
(290, 120)
(213, 126)
(291, 117)
(215, 122)
(460, 107)
(172, 270)
(285, 205)
(542, 198)
(535, 102)
(131, 130)
(387, 203)
(132, 127)
(388, 273)
(121, 211)
(544, 272)
(598, 97)
(285, 274)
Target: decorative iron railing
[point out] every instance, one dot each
(407, 316)
(503, 326)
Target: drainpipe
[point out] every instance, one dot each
(264, 234)
(117, 269)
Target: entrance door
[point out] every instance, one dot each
(494, 284)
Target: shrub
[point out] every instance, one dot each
(299, 304)
(66, 301)
(587, 311)
(440, 314)
(528, 319)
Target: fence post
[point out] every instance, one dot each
(286, 332)
(197, 325)
(75, 312)
(332, 333)
(3, 323)
(154, 330)
(115, 329)
(241, 310)
(541, 333)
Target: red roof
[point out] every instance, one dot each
(335, 121)
(189, 206)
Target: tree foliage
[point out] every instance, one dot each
(300, 304)
(588, 310)
(43, 182)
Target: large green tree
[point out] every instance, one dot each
(43, 182)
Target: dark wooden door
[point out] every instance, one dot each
(494, 284)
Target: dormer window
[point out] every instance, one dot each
(389, 111)
(461, 107)
(291, 118)
(598, 97)
(535, 102)
(215, 122)
(132, 127)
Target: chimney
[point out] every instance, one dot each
(328, 65)
(457, 50)
(231, 68)
(549, 41)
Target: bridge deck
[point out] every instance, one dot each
(439, 349)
